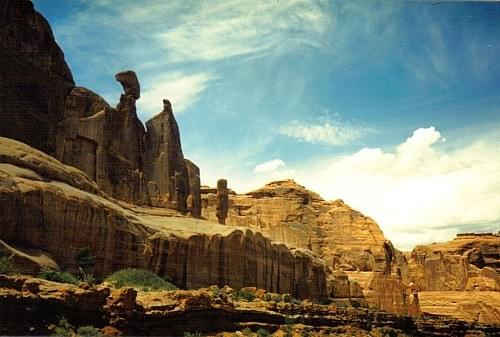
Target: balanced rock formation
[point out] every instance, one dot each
(44, 109)
(344, 238)
(34, 77)
(57, 209)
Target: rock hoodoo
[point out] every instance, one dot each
(222, 201)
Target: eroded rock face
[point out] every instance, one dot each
(165, 167)
(343, 237)
(469, 262)
(287, 212)
(67, 212)
(34, 77)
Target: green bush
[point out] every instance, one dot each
(88, 331)
(268, 297)
(263, 333)
(84, 259)
(192, 334)
(6, 266)
(386, 332)
(244, 295)
(139, 278)
(277, 298)
(63, 329)
(58, 276)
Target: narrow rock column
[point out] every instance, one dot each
(222, 201)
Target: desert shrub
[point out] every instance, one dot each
(288, 330)
(192, 334)
(289, 320)
(244, 295)
(139, 278)
(296, 301)
(88, 331)
(263, 333)
(6, 266)
(277, 298)
(247, 332)
(268, 297)
(63, 329)
(58, 276)
(287, 298)
(386, 332)
(84, 259)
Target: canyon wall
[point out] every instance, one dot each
(34, 77)
(57, 209)
(343, 237)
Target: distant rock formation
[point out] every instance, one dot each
(344, 238)
(469, 262)
(34, 78)
(222, 207)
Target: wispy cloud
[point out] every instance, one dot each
(269, 166)
(181, 89)
(329, 133)
(224, 29)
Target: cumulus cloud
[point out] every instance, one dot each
(324, 133)
(269, 166)
(417, 192)
(181, 89)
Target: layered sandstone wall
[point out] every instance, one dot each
(469, 262)
(43, 207)
(343, 237)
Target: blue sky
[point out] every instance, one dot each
(392, 106)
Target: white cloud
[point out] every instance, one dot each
(269, 166)
(418, 190)
(217, 30)
(181, 89)
(325, 133)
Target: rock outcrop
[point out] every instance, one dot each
(213, 311)
(469, 262)
(343, 237)
(112, 147)
(57, 209)
(44, 109)
(34, 77)
(164, 162)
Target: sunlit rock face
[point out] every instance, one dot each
(343, 237)
(469, 262)
(57, 209)
(34, 77)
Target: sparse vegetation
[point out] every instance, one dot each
(88, 331)
(385, 332)
(244, 295)
(268, 297)
(84, 259)
(263, 333)
(192, 334)
(58, 276)
(6, 266)
(140, 279)
(63, 329)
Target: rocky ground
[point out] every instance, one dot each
(31, 306)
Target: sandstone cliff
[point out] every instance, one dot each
(469, 262)
(44, 109)
(343, 237)
(57, 209)
(34, 78)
